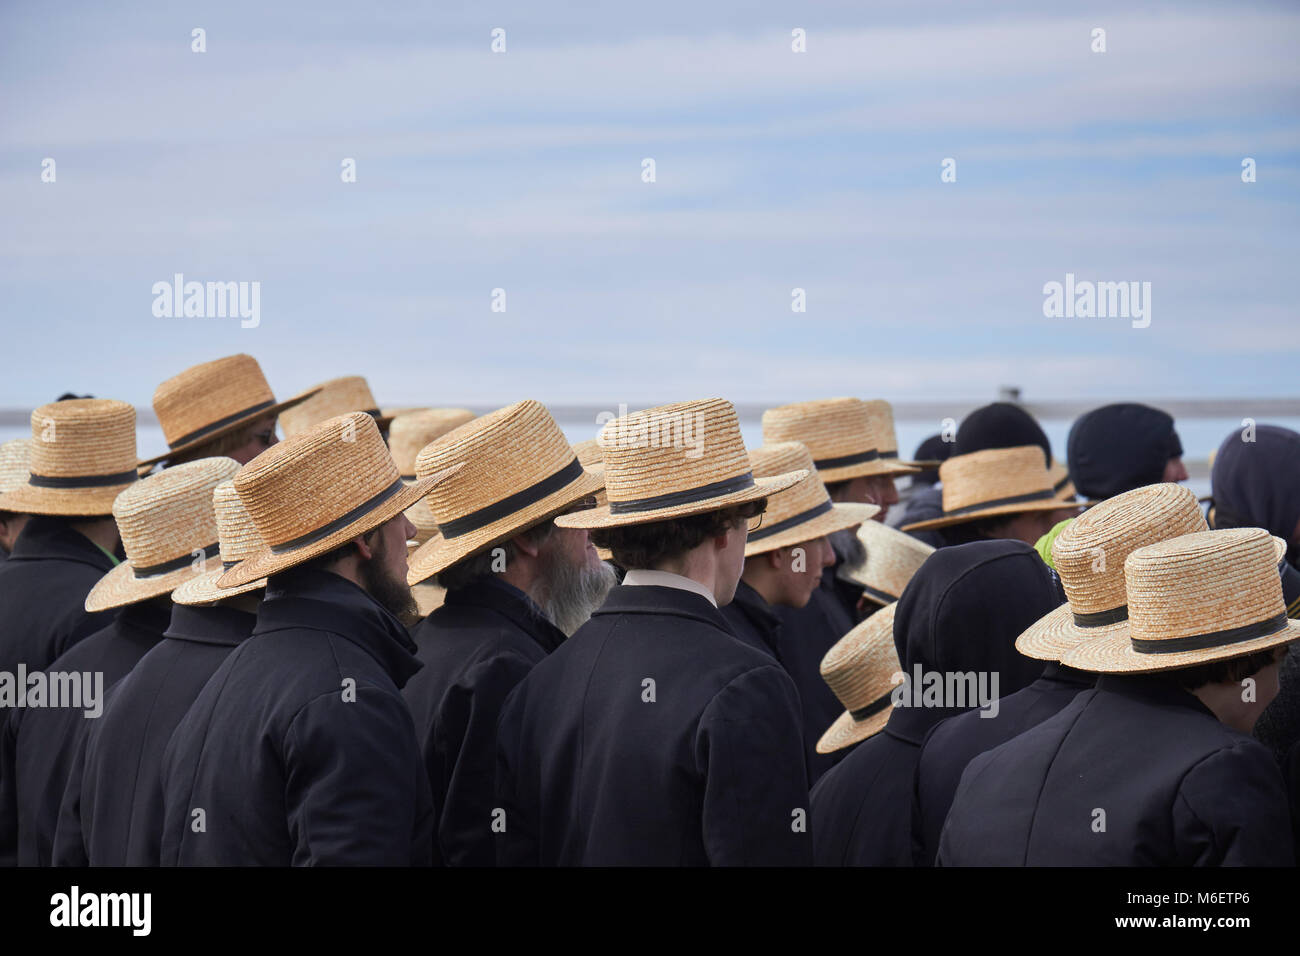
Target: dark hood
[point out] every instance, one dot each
(1257, 484)
(1117, 448)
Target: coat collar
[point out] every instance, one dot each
(1060, 674)
(212, 624)
(44, 538)
(330, 603)
(910, 724)
(501, 597)
(1153, 688)
(756, 608)
(652, 599)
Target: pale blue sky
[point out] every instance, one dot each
(775, 170)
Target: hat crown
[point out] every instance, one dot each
(169, 515)
(236, 532)
(1089, 554)
(15, 463)
(317, 477)
(892, 558)
(208, 393)
(505, 452)
(409, 433)
(338, 396)
(780, 458)
(829, 427)
(994, 475)
(880, 424)
(672, 449)
(83, 437)
(860, 668)
(1203, 583)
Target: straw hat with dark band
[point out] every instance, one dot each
(407, 436)
(238, 539)
(861, 668)
(892, 559)
(1089, 558)
(673, 461)
(591, 457)
(15, 464)
(805, 511)
(519, 471)
(169, 531)
(1061, 482)
(848, 438)
(212, 399)
(996, 481)
(330, 399)
(881, 415)
(319, 489)
(82, 456)
(1198, 598)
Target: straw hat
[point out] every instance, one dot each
(861, 668)
(519, 471)
(1203, 597)
(329, 399)
(892, 559)
(881, 414)
(1062, 485)
(1089, 558)
(805, 511)
(238, 539)
(317, 490)
(169, 531)
(393, 411)
(996, 481)
(591, 456)
(82, 455)
(15, 463)
(428, 597)
(407, 435)
(673, 461)
(847, 437)
(211, 400)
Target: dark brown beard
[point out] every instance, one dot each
(389, 590)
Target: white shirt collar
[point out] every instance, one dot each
(666, 579)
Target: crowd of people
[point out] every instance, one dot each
(424, 637)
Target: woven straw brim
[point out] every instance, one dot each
(438, 553)
(428, 598)
(261, 413)
(865, 469)
(846, 731)
(120, 587)
(1054, 635)
(602, 517)
(841, 516)
(203, 589)
(425, 524)
(70, 502)
(925, 464)
(1047, 504)
(267, 562)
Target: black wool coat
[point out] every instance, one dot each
(112, 809)
(753, 620)
(43, 588)
(475, 648)
(653, 737)
(1137, 772)
(300, 749)
(48, 739)
(953, 743)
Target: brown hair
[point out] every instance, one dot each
(219, 447)
(648, 545)
(1231, 671)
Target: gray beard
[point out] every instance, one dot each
(570, 593)
(848, 547)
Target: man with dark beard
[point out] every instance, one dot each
(300, 749)
(516, 585)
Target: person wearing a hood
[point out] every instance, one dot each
(300, 749)
(1089, 557)
(1116, 448)
(112, 810)
(1155, 766)
(955, 628)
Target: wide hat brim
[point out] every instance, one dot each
(1046, 504)
(890, 467)
(120, 587)
(226, 429)
(1054, 635)
(267, 562)
(842, 515)
(65, 502)
(846, 731)
(602, 517)
(203, 589)
(439, 553)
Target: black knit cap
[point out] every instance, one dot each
(933, 448)
(1116, 448)
(1001, 425)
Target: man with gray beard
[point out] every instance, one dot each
(516, 586)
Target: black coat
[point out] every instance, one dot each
(300, 749)
(961, 612)
(754, 621)
(1178, 788)
(953, 743)
(112, 810)
(43, 588)
(806, 634)
(653, 737)
(476, 647)
(48, 739)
